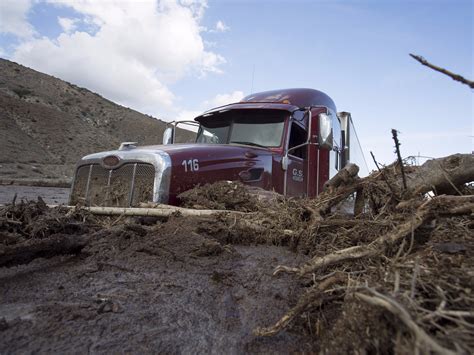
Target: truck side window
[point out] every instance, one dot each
(298, 136)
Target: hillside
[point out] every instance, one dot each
(47, 124)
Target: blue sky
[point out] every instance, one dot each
(174, 59)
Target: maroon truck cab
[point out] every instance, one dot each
(290, 141)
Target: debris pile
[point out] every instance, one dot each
(222, 195)
(30, 230)
(394, 276)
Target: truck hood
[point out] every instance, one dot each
(202, 150)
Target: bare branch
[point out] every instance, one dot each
(399, 157)
(452, 75)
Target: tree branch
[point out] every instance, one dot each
(452, 75)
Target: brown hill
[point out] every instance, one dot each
(47, 124)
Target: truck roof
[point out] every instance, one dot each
(295, 97)
(285, 99)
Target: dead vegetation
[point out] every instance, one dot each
(30, 230)
(407, 251)
(395, 276)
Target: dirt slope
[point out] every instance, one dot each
(48, 124)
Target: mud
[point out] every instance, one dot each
(223, 195)
(243, 283)
(137, 288)
(51, 195)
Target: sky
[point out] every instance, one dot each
(174, 59)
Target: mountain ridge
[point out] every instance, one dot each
(47, 124)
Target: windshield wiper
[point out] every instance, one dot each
(250, 143)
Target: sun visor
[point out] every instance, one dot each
(247, 106)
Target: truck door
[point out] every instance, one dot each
(296, 178)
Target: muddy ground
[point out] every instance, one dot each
(269, 275)
(51, 195)
(158, 288)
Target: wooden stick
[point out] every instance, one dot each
(155, 212)
(344, 176)
(399, 157)
(452, 75)
(375, 161)
(161, 211)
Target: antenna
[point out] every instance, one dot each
(253, 76)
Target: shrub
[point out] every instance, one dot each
(22, 92)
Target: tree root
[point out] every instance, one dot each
(60, 244)
(312, 297)
(441, 205)
(396, 309)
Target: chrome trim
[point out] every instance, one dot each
(132, 186)
(161, 189)
(310, 127)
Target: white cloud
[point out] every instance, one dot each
(187, 115)
(223, 99)
(221, 26)
(139, 48)
(68, 24)
(13, 17)
(216, 101)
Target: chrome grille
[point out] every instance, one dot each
(125, 186)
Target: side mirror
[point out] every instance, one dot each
(168, 135)
(299, 115)
(325, 131)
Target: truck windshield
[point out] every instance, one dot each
(262, 128)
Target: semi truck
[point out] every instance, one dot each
(290, 141)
